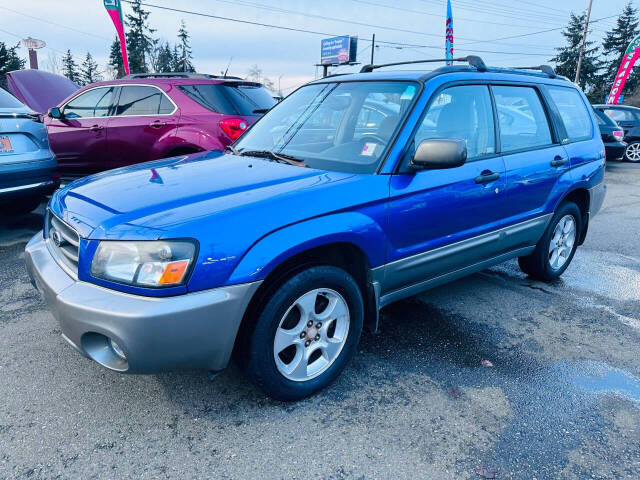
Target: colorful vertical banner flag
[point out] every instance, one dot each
(631, 54)
(114, 9)
(449, 35)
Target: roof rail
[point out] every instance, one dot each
(472, 60)
(179, 75)
(543, 68)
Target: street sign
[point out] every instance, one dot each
(620, 98)
(338, 50)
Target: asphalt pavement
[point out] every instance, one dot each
(493, 375)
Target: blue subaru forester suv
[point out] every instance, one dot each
(353, 192)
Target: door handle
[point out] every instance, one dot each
(486, 177)
(96, 128)
(558, 161)
(158, 124)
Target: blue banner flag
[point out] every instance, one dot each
(449, 35)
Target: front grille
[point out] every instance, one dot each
(64, 241)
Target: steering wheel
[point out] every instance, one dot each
(375, 138)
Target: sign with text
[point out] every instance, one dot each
(338, 50)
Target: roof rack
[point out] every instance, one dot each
(543, 68)
(472, 60)
(179, 75)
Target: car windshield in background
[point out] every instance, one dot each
(231, 98)
(345, 127)
(9, 101)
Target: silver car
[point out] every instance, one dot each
(28, 167)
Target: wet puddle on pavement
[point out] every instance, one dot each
(599, 378)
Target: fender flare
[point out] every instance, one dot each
(282, 244)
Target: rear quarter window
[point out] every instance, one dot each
(573, 111)
(231, 98)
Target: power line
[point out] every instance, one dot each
(55, 23)
(315, 32)
(531, 33)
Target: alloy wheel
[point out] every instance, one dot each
(562, 241)
(311, 334)
(633, 152)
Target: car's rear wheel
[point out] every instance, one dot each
(632, 152)
(556, 248)
(306, 333)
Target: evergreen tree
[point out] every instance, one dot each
(9, 61)
(89, 71)
(177, 67)
(614, 45)
(115, 59)
(140, 41)
(70, 68)
(185, 59)
(566, 59)
(165, 60)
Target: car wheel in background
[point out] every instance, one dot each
(306, 333)
(556, 248)
(632, 153)
(20, 207)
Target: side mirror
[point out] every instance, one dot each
(55, 112)
(439, 153)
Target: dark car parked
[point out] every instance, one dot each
(612, 136)
(629, 119)
(149, 116)
(28, 168)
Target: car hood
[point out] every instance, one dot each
(157, 199)
(10, 112)
(38, 89)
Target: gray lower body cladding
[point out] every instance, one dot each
(191, 331)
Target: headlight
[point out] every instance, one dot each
(159, 263)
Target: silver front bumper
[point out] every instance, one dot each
(191, 331)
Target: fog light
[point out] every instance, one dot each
(117, 349)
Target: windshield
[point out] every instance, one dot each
(344, 127)
(231, 98)
(9, 101)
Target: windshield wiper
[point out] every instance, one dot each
(278, 157)
(232, 149)
(261, 110)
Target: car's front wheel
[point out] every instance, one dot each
(632, 152)
(556, 248)
(306, 333)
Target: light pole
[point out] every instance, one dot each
(584, 42)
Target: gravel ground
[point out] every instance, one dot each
(492, 373)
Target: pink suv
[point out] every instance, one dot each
(148, 116)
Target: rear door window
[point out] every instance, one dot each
(573, 111)
(231, 98)
(90, 104)
(137, 100)
(522, 118)
(463, 113)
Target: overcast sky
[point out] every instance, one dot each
(480, 26)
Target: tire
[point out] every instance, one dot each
(20, 207)
(632, 152)
(331, 290)
(542, 264)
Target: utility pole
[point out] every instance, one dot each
(373, 46)
(584, 42)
